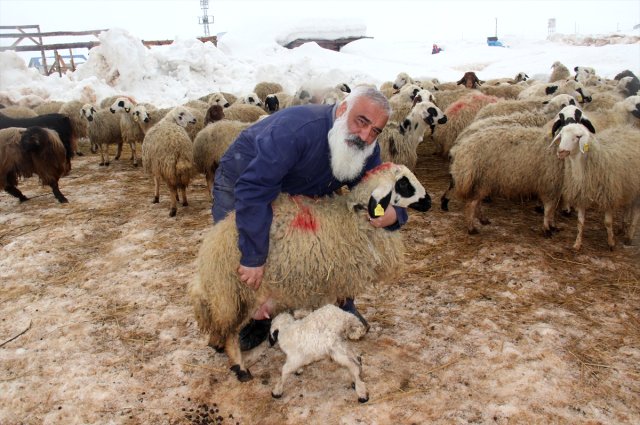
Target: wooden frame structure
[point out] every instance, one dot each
(59, 65)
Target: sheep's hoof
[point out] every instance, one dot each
(101, 164)
(79, 153)
(242, 375)
(473, 231)
(274, 395)
(156, 199)
(185, 204)
(485, 221)
(444, 204)
(363, 399)
(172, 212)
(627, 241)
(106, 164)
(539, 209)
(23, 198)
(566, 213)
(135, 164)
(547, 233)
(63, 200)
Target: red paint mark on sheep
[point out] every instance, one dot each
(304, 220)
(382, 167)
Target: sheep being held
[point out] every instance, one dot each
(320, 250)
(321, 334)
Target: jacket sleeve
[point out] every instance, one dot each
(258, 186)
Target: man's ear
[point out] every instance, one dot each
(341, 109)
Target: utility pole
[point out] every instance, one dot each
(205, 19)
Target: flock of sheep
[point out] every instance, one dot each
(573, 141)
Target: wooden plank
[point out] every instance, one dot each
(51, 34)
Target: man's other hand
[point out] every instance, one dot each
(252, 276)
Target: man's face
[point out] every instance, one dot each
(365, 121)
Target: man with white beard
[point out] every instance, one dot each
(309, 150)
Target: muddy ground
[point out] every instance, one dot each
(503, 327)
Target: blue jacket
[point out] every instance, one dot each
(286, 152)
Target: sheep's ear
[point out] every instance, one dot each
(376, 208)
(556, 125)
(588, 125)
(273, 337)
(551, 89)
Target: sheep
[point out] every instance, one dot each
(217, 99)
(103, 130)
(387, 89)
(28, 151)
(130, 130)
(50, 107)
(601, 172)
(507, 91)
(470, 80)
(16, 111)
(630, 86)
(548, 107)
(244, 112)
(73, 109)
(402, 103)
(510, 161)
(401, 80)
(231, 98)
(446, 98)
(626, 111)
(571, 87)
(211, 143)
(332, 96)
(399, 142)
(249, 99)
(148, 115)
(559, 73)
(320, 250)
(273, 101)
(108, 101)
(319, 335)
(265, 88)
(167, 154)
(460, 114)
(520, 77)
(214, 113)
(58, 122)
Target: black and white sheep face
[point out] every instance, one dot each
(272, 103)
(557, 103)
(121, 104)
(571, 114)
(88, 112)
(632, 105)
(252, 99)
(140, 113)
(218, 99)
(403, 190)
(574, 138)
(401, 80)
(430, 113)
(521, 76)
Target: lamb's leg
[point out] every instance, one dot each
(56, 192)
(581, 215)
(12, 190)
(444, 199)
(608, 224)
(548, 221)
(102, 147)
(289, 367)
(344, 357)
(156, 189)
(183, 195)
(480, 214)
(232, 348)
(173, 197)
(133, 153)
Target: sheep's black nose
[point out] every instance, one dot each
(442, 120)
(424, 204)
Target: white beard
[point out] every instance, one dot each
(347, 159)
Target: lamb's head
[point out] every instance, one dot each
(571, 114)
(389, 184)
(88, 111)
(122, 104)
(521, 76)
(629, 85)
(585, 70)
(430, 113)
(401, 80)
(214, 113)
(424, 95)
(282, 320)
(343, 87)
(409, 91)
(470, 80)
(218, 99)
(181, 116)
(574, 138)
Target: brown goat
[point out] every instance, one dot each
(28, 151)
(470, 80)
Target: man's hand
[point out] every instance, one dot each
(385, 220)
(252, 276)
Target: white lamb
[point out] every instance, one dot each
(321, 334)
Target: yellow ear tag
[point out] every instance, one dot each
(378, 211)
(585, 148)
(135, 118)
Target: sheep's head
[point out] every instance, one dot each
(280, 321)
(251, 99)
(521, 76)
(571, 115)
(218, 99)
(122, 104)
(88, 111)
(182, 116)
(557, 103)
(272, 103)
(632, 105)
(214, 113)
(140, 113)
(401, 80)
(390, 184)
(409, 91)
(574, 138)
(343, 87)
(469, 80)
(430, 113)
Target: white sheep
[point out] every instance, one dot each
(130, 130)
(321, 334)
(545, 106)
(399, 141)
(601, 171)
(244, 112)
(103, 130)
(147, 115)
(265, 88)
(249, 99)
(320, 250)
(560, 72)
(626, 111)
(167, 154)
(570, 87)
